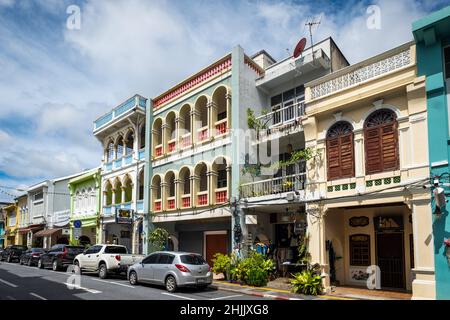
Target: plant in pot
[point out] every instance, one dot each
(158, 239)
(222, 264)
(307, 282)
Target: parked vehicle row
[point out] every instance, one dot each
(168, 268)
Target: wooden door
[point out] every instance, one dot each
(215, 243)
(390, 259)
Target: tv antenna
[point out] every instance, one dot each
(310, 23)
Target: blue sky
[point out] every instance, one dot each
(55, 82)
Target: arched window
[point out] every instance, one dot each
(340, 151)
(381, 142)
(142, 138)
(120, 148)
(129, 143)
(110, 152)
(141, 185)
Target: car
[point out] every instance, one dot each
(59, 256)
(173, 270)
(31, 256)
(12, 253)
(106, 259)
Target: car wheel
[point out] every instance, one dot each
(133, 278)
(40, 264)
(102, 272)
(171, 284)
(55, 265)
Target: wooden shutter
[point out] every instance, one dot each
(340, 157)
(373, 150)
(389, 139)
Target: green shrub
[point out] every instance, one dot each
(254, 270)
(307, 282)
(221, 264)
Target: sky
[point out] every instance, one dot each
(55, 81)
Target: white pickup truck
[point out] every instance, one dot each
(105, 259)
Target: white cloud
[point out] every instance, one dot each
(7, 3)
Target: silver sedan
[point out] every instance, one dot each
(172, 269)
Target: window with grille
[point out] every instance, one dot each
(222, 178)
(381, 142)
(360, 250)
(340, 151)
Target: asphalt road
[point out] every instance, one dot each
(30, 283)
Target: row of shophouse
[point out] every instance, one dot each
(195, 162)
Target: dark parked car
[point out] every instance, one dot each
(59, 256)
(31, 256)
(12, 253)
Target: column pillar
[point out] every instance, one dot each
(212, 112)
(178, 133)
(123, 194)
(194, 125)
(113, 196)
(228, 98)
(212, 178)
(177, 194)
(228, 181)
(165, 139)
(105, 196)
(163, 196)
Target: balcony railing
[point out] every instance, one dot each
(202, 198)
(221, 127)
(186, 200)
(202, 134)
(128, 159)
(140, 205)
(284, 117)
(186, 140)
(172, 145)
(157, 205)
(117, 163)
(273, 186)
(363, 72)
(108, 166)
(121, 109)
(171, 203)
(142, 154)
(159, 150)
(107, 210)
(221, 195)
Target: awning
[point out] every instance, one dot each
(46, 233)
(31, 228)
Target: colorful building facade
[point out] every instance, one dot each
(85, 201)
(22, 213)
(11, 224)
(432, 35)
(369, 217)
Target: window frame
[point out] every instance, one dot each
(359, 261)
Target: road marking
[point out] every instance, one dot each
(116, 283)
(227, 297)
(82, 288)
(8, 283)
(37, 296)
(177, 296)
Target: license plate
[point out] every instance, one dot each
(201, 280)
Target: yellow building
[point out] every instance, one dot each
(22, 237)
(368, 123)
(11, 224)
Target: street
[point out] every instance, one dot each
(30, 283)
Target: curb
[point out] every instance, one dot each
(256, 294)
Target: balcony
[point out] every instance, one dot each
(221, 195)
(134, 102)
(172, 145)
(107, 210)
(117, 163)
(186, 201)
(171, 203)
(202, 134)
(202, 198)
(128, 159)
(283, 120)
(141, 155)
(158, 150)
(221, 127)
(186, 141)
(108, 166)
(157, 205)
(273, 186)
(140, 206)
(360, 73)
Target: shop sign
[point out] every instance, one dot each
(124, 216)
(359, 221)
(66, 232)
(386, 224)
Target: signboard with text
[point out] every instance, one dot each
(124, 216)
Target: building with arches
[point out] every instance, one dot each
(369, 217)
(121, 133)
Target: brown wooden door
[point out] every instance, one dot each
(390, 259)
(215, 243)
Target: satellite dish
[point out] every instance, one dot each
(299, 48)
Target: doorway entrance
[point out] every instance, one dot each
(215, 242)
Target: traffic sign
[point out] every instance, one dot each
(77, 233)
(77, 224)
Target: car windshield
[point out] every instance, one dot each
(75, 250)
(116, 249)
(193, 259)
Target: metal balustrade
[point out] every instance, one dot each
(221, 195)
(274, 185)
(157, 206)
(203, 134)
(119, 110)
(202, 198)
(171, 203)
(221, 127)
(186, 140)
(186, 200)
(172, 145)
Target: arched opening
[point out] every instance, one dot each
(201, 186)
(171, 132)
(170, 190)
(141, 185)
(220, 180)
(110, 151)
(156, 193)
(185, 126)
(119, 147)
(340, 151)
(185, 187)
(157, 138)
(117, 192)
(219, 115)
(129, 142)
(84, 241)
(381, 142)
(201, 119)
(76, 201)
(142, 137)
(109, 192)
(128, 189)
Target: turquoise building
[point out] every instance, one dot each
(432, 35)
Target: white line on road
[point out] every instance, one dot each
(228, 297)
(82, 288)
(116, 283)
(37, 296)
(8, 283)
(174, 295)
